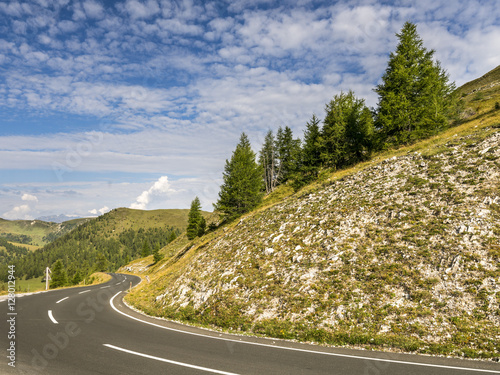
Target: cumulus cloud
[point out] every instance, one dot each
(100, 211)
(19, 213)
(29, 197)
(24, 211)
(160, 187)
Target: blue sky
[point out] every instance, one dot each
(138, 103)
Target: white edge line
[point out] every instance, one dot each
(170, 361)
(62, 299)
(85, 291)
(302, 350)
(52, 317)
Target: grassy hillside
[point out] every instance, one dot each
(122, 219)
(488, 81)
(104, 243)
(35, 233)
(400, 252)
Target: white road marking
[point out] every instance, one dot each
(52, 317)
(85, 291)
(303, 350)
(62, 299)
(206, 369)
(117, 283)
(102, 287)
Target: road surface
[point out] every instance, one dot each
(89, 330)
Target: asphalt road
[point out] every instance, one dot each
(89, 330)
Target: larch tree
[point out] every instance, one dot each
(311, 149)
(288, 154)
(347, 131)
(243, 185)
(196, 222)
(58, 276)
(269, 162)
(415, 96)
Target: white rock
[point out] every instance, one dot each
(268, 251)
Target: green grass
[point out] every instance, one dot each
(36, 284)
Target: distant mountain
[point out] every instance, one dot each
(58, 218)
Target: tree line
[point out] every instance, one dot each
(87, 249)
(416, 101)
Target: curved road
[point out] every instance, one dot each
(88, 330)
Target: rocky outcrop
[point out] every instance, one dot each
(409, 246)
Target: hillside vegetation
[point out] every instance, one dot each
(103, 244)
(35, 233)
(399, 252)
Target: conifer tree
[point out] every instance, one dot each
(101, 263)
(347, 131)
(242, 187)
(58, 276)
(156, 254)
(415, 97)
(202, 227)
(146, 249)
(195, 219)
(288, 154)
(269, 162)
(311, 150)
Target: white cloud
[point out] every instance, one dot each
(169, 86)
(93, 9)
(19, 213)
(24, 211)
(29, 197)
(138, 9)
(100, 211)
(160, 187)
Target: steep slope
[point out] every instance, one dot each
(403, 253)
(399, 253)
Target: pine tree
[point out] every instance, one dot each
(172, 236)
(347, 131)
(194, 219)
(269, 162)
(359, 131)
(288, 154)
(242, 187)
(58, 276)
(202, 227)
(101, 263)
(146, 249)
(77, 278)
(415, 97)
(156, 254)
(311, 150)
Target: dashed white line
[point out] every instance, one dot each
(62, 299)
(102, 287)
(85, 291)
(206, 369)
(52, 317)
(304, 350)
